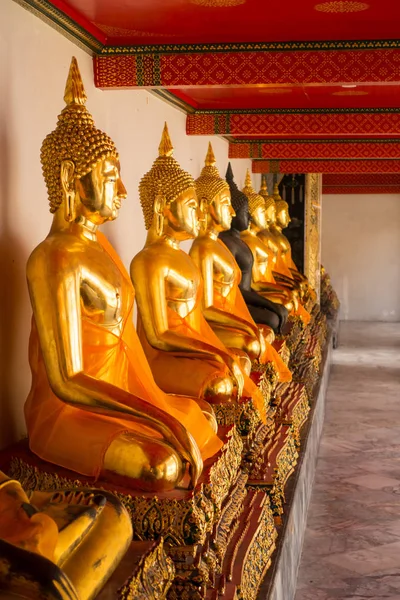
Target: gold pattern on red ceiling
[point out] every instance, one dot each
(367, 189)
(326, 166)
(334, 179)
(248, 68)
(317, 149)
(301, 123)
(341, 6)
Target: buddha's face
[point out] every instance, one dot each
(101, 191)
(183, 215)
(270, 214)
(241, 220)
(259, 217)
(221, 210)
(282, 218)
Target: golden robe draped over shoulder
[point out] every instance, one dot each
(235, 304)
(76, 438)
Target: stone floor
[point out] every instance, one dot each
(352, 541)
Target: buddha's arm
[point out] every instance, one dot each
(211, 312)
(55, 298)
(149, 283)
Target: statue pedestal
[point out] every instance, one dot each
(203, 528)
(280, 582)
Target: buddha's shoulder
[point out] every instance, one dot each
(56, 248)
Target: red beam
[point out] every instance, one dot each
(295, 123)
(379, 189)
(326, 166)
(316, 149)
(171, 66)
(360, 179)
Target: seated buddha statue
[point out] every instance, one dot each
(262, 272)
(185, 355)
(262, 310)
(285, 264)
(94, 406)
(280, 270)
(57, 544)
(223, 304)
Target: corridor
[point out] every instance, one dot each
(352, 541)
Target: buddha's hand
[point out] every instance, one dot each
(183, 441)
(237, 375)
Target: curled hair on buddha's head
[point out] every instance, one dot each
(269, 201)
(255, 200)
(238, 199)
(75, 138)
(165, 177)
(210, 182)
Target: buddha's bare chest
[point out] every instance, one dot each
(182, 282)
(103, 291)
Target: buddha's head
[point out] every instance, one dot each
(239, 201)
(270, 210)
(214, 196)
(168, 196)
(282, 209)
(256, 205)
(80, 163)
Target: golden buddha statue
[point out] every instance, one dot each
(184, 353)
(65, 544)
(262, 278)
(223, 304)
(94, 406)
(285, 265)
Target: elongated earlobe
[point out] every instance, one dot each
(67, 182)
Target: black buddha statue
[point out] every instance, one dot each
(263, 311)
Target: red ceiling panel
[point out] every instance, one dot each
(211, 21)
(324, 96)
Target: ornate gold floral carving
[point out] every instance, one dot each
(152, 577)
(312, 242)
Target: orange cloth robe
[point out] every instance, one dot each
(78, 439)
(235, 304)
(193, 372)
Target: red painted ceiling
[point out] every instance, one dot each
(211, 21)
(324, 96)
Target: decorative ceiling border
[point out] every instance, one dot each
(378, 189)
(252, 47)
(325, 122)
(376, 166)
(234, 68)
(295, 111)
(357, 179)
(317, 149)
(63, 23)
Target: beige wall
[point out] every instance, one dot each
(361, 251)
(33, 69)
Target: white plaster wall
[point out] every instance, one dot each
(361, 251)
(33, 69)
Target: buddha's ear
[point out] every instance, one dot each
(67, 172)
(160, 203)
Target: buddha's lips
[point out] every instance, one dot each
(117, 204)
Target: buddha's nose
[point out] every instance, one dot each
(122, 193)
